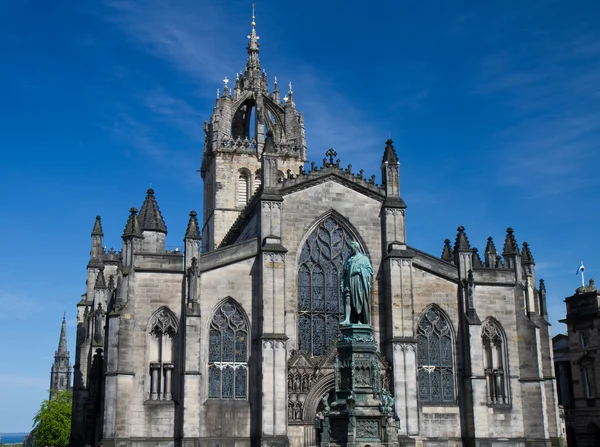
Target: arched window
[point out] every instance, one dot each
(257, 180)
(494, 362)
(242, 197)
(435, 358)
(228, 353)
(162, 331)
(320, 304)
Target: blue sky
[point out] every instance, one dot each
(493, 108)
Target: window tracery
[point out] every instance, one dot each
(228, 354)
(435, 358)
(162, 330)
(320, 304)
(495, 362)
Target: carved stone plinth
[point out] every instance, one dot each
(361, 412)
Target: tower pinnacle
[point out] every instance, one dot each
(253, 45)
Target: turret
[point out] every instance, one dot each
(152, 225)
(491, 254)
(132, 238)
(527, 261)
(97, 250)
(511, 254)
(394, 206)
(447, 254)
(192, 240)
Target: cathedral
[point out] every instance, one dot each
(234, 340)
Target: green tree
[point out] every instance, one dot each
(52, 423)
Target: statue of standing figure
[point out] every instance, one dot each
(356, 282)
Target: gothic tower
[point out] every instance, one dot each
(60, 375)
(244, 119)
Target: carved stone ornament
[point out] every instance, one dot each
(367, 428)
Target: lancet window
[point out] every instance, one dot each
(587, 372)
(494, 361)
(435, 358)
(242, 196)
(228, 353)
(320, 304)
(162, 331)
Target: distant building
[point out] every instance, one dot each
(576, 361)
(60, 375)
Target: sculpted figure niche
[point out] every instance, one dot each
(356, 282)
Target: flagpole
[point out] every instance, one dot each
(582, 280)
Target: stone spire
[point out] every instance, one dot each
(526, 257)
(132, 228)
(97, 230)
(389, 154)
(192, 231)
(253, 63)
(462, 243)
(447, 254)
(490, 253)
(100, 281)
(62, 342)
(150, 217)
(60, 374)
(510, 243)
(477, 264)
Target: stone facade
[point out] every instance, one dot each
(577, 369)
(231, 341)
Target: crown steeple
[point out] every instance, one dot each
(253, 63)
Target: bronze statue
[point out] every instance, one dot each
(356, 282)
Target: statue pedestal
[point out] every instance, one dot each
(362, 413)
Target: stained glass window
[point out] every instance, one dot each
(434, 357)
(320, 305)
(494, 361)
(228, 354)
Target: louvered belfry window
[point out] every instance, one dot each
(320, 304)
(243, 189)
(435, 358)
(228, 353)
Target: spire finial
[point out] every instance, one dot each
(253, 22)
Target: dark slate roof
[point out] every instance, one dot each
(97, 230)
(133, 227)
(526, 257)
(447, 252)
(462, 243)
(389, 154)
(192, 232)
(510, 243)
(100, 281)
(150, 218)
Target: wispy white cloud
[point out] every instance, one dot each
(549, 85)
(205, 52)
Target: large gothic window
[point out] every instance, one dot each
(228, 354)
(495, 362)
(435, 358)
(320, 304)
(162, 331)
